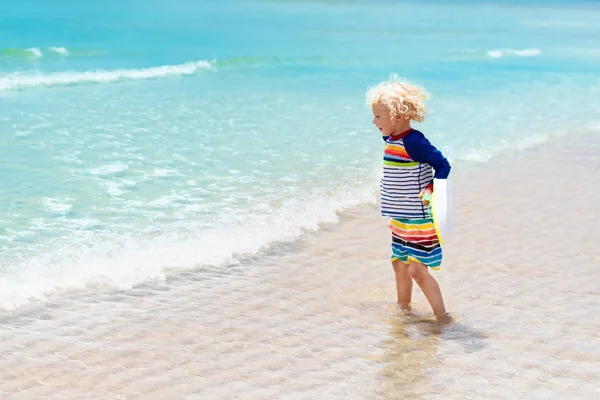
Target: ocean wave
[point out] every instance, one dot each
(59, 50)
(32, 80)
(486, 153)
(123, 261)
(499, 53)
(33, 53)
(24, 80)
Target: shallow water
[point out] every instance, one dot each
(316, 316)
(180, 186)
(136, 136)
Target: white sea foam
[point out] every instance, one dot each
(35, 52)
(31, 80)
(59, 50)
(477, 156)
(528, 52)
(56, 205)
(499, 53)
(483, 155)
(124, 261)
(109, 169)
(495, 53)
(166, 201)
(113, 188)
(162, 172)
(84, 222)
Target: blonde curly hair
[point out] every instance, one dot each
(400, 98)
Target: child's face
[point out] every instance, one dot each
(381, 119)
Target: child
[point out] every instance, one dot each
(409, 160)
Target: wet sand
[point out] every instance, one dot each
(316, 317)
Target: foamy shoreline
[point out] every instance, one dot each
(316, 317)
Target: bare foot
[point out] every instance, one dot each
(406, 307)
(404, 310)
(444, 319)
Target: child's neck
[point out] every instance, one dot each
(402, 129)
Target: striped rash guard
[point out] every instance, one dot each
(409, 162)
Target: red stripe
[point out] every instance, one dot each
(397, 152)
(401, 135)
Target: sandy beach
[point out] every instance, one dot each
(315, 318)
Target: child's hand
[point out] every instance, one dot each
(423, 193)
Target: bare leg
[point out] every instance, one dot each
(403, 284)
(430, 288)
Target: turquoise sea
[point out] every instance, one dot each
(141, 137)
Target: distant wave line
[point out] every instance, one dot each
(32, 80)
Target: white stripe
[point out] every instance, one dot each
(408, 189)
(401, 191)
(406, 215)
(406, 208)
(400, 185)
(398, 200)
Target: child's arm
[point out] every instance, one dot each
(419, 149)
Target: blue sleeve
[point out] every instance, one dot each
(419, 149)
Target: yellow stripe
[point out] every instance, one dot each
(437, 229)
(412, 227)
(400, 164)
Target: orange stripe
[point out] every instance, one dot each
(397, 152)
(411, 238)
(430, 233)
